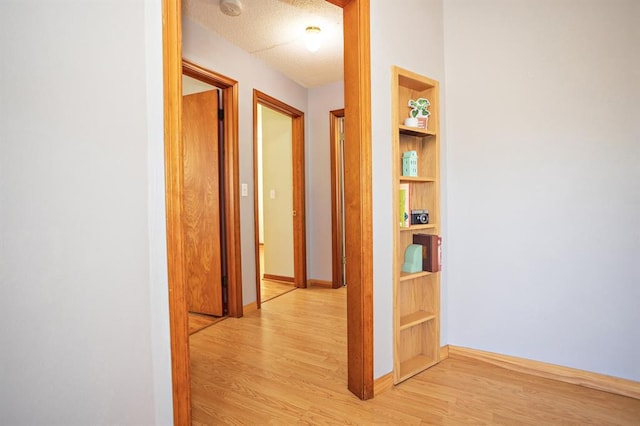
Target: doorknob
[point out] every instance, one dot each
(294, 213)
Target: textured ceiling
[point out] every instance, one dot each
(273, 31)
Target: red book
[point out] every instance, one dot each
(431, 251)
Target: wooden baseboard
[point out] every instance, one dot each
(278, 278)
(250, 307)
(320, 283)
(444, 352)
(382, 384)
(574, 376)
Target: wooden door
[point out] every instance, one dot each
(202, 235)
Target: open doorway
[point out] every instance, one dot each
(279, 200)
(358, 197)
(204, 230)
(198, 199)
(274, 142)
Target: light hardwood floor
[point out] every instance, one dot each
(199, 322)
(271, 289)
(286, 364)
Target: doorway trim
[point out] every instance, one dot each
(298, 181)
(337, 264)
(358, 196)
(230, 195)
(357, 79)
(178, 315)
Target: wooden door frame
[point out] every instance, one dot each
(298, 182)
(358, 229)
(230, 195)
(337, 267)
(358, 196)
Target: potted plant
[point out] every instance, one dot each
(419, 113)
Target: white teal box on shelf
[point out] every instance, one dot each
(410, 163)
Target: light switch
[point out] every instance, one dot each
(244, 190)
(272, 194)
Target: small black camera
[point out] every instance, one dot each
(419, 217)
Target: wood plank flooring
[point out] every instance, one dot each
(198, 322)
(272, 289)
(286, 364)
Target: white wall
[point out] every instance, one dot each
(391, 44)
(208, 50)
(322, 99)
(277, 190)
(84, 331)
(158, 286)
(544, 200)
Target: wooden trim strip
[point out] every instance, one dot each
(444, 352)
(339, 3)
(383, 384)
(300, 216)
(211, 77)
(281, 278)
(256, 222)
(319, 283)
(574, 376)
(232, 188)
(336, 199)
(178, 316)
(277, 104)
(358, 198)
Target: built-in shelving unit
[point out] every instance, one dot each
(416, 295)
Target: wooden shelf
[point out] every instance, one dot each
(415, 319)
(416, 179)
(405, 276)
(414, 131)
(413, 366)
(416, 296)
(418, 227)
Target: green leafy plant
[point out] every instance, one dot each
(419, 107)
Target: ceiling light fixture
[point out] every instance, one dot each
(312, 39)
(231, 7)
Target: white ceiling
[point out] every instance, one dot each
(273, 31)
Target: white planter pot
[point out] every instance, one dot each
(411, 122)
